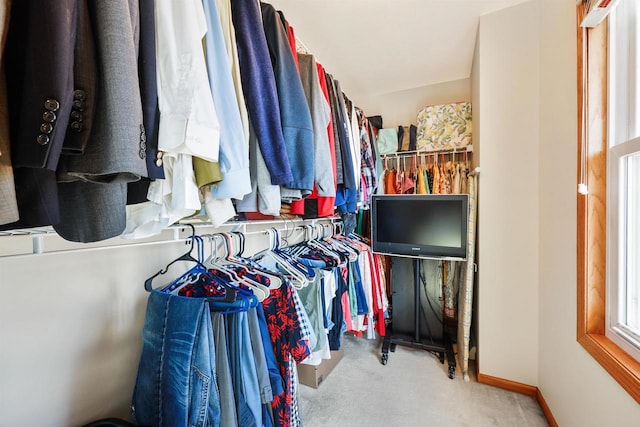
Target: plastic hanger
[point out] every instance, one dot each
(231, 276)
(323, 245)
(148, 284)
(274, 277)
(295, 274)
(191, 275)
(229, 259)
(308, 272)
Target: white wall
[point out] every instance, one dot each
(527, 307)
(505, 80)
(577, 389)
(401, 108)
(476, 108)
(71, 322)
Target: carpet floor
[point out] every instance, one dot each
(412, 389)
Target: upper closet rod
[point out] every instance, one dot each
(45, 240)
(467, 149)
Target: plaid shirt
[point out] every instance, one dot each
(368, 164)
(306, 331)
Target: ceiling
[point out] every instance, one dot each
(378, 47)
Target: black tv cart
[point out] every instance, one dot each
(419, 331)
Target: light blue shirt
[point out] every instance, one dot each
(234, 153)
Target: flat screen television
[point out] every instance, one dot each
(420, 226)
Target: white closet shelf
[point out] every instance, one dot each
(43, 240)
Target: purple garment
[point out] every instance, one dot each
(259, 86)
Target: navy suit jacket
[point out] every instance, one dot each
(77, 133)
(39, 66)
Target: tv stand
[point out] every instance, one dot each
(416, 339)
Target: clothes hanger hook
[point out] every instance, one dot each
(241, 242)
(191, 239)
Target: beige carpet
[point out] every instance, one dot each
(413, 389)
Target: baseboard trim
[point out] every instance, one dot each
(521, 388)
(545, 409)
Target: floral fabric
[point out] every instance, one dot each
(444, 127)
(288, 343)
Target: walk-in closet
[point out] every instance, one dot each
(279, 213)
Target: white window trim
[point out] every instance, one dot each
(616, 331)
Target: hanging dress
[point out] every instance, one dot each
(456, 188)
(446, 178)
(421, 188)
(428, 176)
(463, 178)
(437, 180)
(390, 182)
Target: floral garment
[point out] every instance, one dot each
(288, 344)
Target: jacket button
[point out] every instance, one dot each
(159, 154)
(77, 116)
(78, 105)
(76, 126)
(51, 105)
(42, 139)
(49, 116)
(159, 162)
(46, 127)
(79, 94)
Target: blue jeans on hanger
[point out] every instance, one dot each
(277, 385)
(243, 371)
(176, 381)
(228, 413)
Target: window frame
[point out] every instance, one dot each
(616, 329)
(592, 72)
(623, 97)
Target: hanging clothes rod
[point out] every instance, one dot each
(467, 149)
(45, 239)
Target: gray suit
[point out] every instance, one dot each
(92, 188)
(8, 202)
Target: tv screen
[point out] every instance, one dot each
(420, 226)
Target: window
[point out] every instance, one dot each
(623, 179)
(609, 214)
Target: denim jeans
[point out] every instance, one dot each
(176, 381)
(228, 415)
(262, 370)
(275, 378)
(243, 371)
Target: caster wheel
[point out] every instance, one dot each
(452, 372)
(384, 359)
(392, 348)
